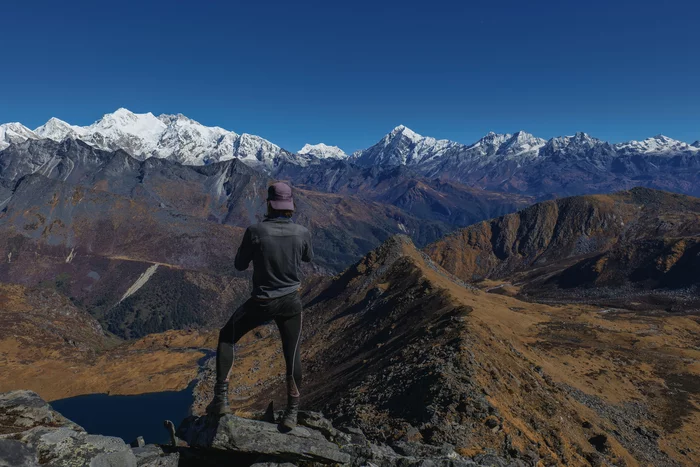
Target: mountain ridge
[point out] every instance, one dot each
(636, 248)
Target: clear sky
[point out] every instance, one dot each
(347, 72)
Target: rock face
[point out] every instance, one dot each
(34, 434)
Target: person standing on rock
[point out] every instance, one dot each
(276, 246)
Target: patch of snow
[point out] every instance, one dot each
(323, 151)
(140, 282)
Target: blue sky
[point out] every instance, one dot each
(345, 73)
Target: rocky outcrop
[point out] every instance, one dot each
(314, 442)
(32, 433)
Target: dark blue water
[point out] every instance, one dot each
(128, 416)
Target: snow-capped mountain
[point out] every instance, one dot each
(58, 130)
(658, 144)
(11, 133)
(521, 143)
(403, 147)
(523, 163)
(183, 140)
(173, 137)
(323, 151)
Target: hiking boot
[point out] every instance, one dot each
(219, 404)
(289, 419)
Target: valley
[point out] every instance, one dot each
(425, 358)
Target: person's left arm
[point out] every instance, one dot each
(245, 252)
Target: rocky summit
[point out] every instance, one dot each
(32, 434)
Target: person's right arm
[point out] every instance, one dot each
(245, 252)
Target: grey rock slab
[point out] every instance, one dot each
(22, 410)
(241, 435)
(14, 453)
(63, 447)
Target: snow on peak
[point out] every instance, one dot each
(402, 146)
(492, 141)
(521, 143)
(323, 151)
(14, 132)
(58, 130)
(173, 137)
(579, 140)
(658, 144)
(404, 131)
(186, 141)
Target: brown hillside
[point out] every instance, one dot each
(639, 239)
(49, 346)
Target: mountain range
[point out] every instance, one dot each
(523, 163)
(514, 163)
(172, 137)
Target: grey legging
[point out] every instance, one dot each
(287, 313)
